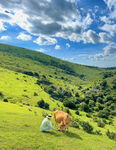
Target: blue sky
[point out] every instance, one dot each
(79, 31)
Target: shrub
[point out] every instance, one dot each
(1, 94)
(5, 100)
(84, 107)
(111, 135)
(35, 94)
(88, 115)
(46, 106)
(77, 94)
(69, 103)
(74, 123)
(100, 124)
(103, 114)
(42, 104)
(98, 132)
(77, 112)
(86, 127)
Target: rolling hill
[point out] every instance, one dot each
(88, 94)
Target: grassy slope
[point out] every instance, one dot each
(18, 87)
(20, 131)
(21, 127)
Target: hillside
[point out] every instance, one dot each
(29, 78)
(20, 131)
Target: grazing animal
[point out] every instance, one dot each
(62, 118)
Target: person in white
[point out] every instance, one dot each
(46, 124)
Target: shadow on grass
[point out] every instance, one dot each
(67, 133)
(72, 135)
(52, 133)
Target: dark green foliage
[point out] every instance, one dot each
(84, 107)
(76, 94)
(5, 100)
(74, 123)
(103, 113)
(43, 81)
(86, 126)
(77, 112)
(1, 94)
(107, 74)
(111, 135)
(42, 104)
(100, 124)
(35, 94)
(69, 103)
(98, 132)
(88, 115)
(104, 84)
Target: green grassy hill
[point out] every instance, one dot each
(20, 131)
(88, 94)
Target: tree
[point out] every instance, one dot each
(84, 107)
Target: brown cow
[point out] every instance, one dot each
(62, 118)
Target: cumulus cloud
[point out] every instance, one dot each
(49, 19)
(45, 40)
(57, 47)
(111, 4)
(109, 53)
(109, 25)
(111, 28)
(2, 27)
(24, 37)
(5, 37)
(67, 45)
(92, 37)
(54, 18)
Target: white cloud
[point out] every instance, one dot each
(92, 37)
(57, 47)
(111, 4)
(60, 18)
(109, 53)
(2, 27)
(111, 28)
(41, 50)
(105, 38)
(5, 37)
(45, 40)
(106, 20)
(67, 45)
(24, 37)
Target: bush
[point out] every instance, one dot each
(88, 115)
(35, 94)
(70, 104)
(103, 114)
(1, 94)
(98, 132)
(86, 127)
(77, 112)
(111, 135)
(100, 124)
(5, 100)
(84, 107)
(74, 123)
(42, 104)
(46, 106)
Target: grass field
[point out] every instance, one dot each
(19, 130)
(27, 77)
